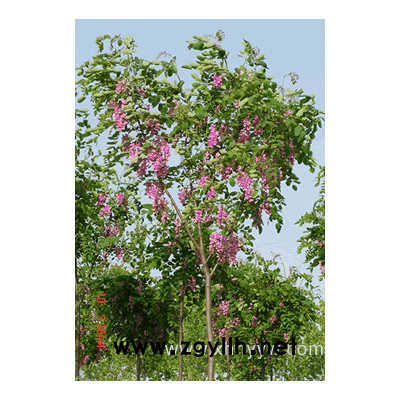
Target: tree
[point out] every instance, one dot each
(314, 238)
(237, 135)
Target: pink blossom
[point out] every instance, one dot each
(217, 81)
(274, 319)
(119, 114)
(198, 215)
(286, 336)
(102, 199)
(213, 138)
(203, 180)
(211, 193)
(121, 86)
(141, 92)
(119, 253)
(246, 183)
(105, 211)
(120, 198)
(254, 321)
(182, 194)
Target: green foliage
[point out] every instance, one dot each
(139, 307)
(314, 238)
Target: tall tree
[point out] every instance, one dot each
(237, 135)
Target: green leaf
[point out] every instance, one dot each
(196, 77)
(244, 101)
(128, 40)
(232, 181)
(82, 98)
(198, 46)
(297, 130)
(148, 207)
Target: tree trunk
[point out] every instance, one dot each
(143, 368)
(138, 367)
(210, 336)
(262, 368)
(78, 341)
(78, 324)
(227, 367)
(180, 338)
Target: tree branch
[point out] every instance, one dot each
(181, 217)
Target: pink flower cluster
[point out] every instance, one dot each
(155, 191)
(159, 157)
(83, 360)
(321, 267)
(274, 319)
(225, 247)
(141, 92)
(198, 215)
(245, 133)
(213, 137)
(112, 230)
(102, 199)
(177, 228)
(139, 289)
(211, 193)
(182, 194)
(172, 109)
(105, 211)
(223, 308)
(135, 150)
(191, 283)
(286, 114)
(120, 198)
(286, 336)
(119, 114)
(222, 215)
(121, 86)
(203, 180)
(154, 126)
(217, 80)
(119, 253)
(246, 183)
(253, 321)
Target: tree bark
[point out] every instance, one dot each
(143, 368)
(200, 248)
(262, 368)
(227, 367)
(138, 367)
(78, 341)
(210, 336)
(180, 337)
(78, 324)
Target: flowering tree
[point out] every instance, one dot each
(259, 304)
(238, 137)
(314, 238)
(103, 210)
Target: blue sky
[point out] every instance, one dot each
(288, 45)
